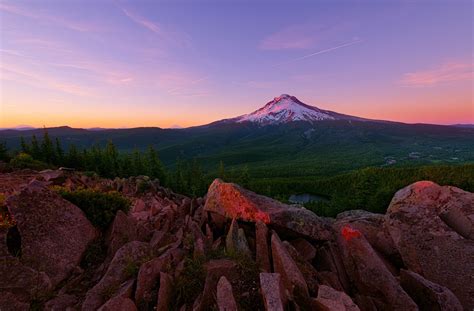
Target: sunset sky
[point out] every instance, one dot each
(167, 63)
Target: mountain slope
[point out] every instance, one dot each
(286, 108)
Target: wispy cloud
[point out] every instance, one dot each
(447, 72)
(34, 79)
(320, 52)
(152, 26)
(48, 18)
(166, 34)
(302, 36)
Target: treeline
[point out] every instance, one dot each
(187, 177)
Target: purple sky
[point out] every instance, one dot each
(161, 63)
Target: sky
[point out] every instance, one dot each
(184, 63)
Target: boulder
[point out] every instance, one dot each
(273, 293)
(261, 245)
(126, 260)
(232, 201)
(54, 232)
(428, 295)
(225, 296)
(368, 272)
(62, 302)
(215, 269)
(165, 292)
(430, 227)
(10, 302)
(304, 248)
(236, 241)
(150, 272)
(330, 299)
(372, 227)
(119, 304)
(291, 276)
(125, 229)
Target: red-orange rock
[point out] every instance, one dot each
(232, 201)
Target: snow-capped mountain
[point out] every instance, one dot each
(286, 108)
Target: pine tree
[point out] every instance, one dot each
(110, 160)
(24, 146)
(4, 152)
(154, 167)
(244, 177)
(138, 167)
(35, 148)
(59, 153)
(221, 172)
(47, 149)
(73, 158)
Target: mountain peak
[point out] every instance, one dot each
(283, 109)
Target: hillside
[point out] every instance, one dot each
(89, 243)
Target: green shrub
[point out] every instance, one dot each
(24, 160)
(100, 207)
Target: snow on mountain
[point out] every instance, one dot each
(286, 108)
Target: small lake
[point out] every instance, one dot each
(305, 198)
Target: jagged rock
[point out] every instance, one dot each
(304, 248)
(215, 269)
(372, 227)
(198, 251)
(272, 291)
(307, 270)
(54, 232)
(126, 260)
(150, 272)
(232, 201)
(119, 304)
(368, 272)
(165, 292)
(10, 302)
(331, 271)
(125, 229)
(23, 282)
(291, 276)
(62, 302)
(429, 246)
(55, 176)
(330, 299)
(225, 296)
(235, 241)
(428, 295)
(262, 255)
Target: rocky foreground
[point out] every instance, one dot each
(233, 250)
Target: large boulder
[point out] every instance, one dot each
(368, 272)
(430, 226)
(54, 232)
(232, 201)
(272, 290)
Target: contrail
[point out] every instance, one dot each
(320, 52)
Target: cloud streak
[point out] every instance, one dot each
(447, 72)
(51, 19)
(320, 52)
